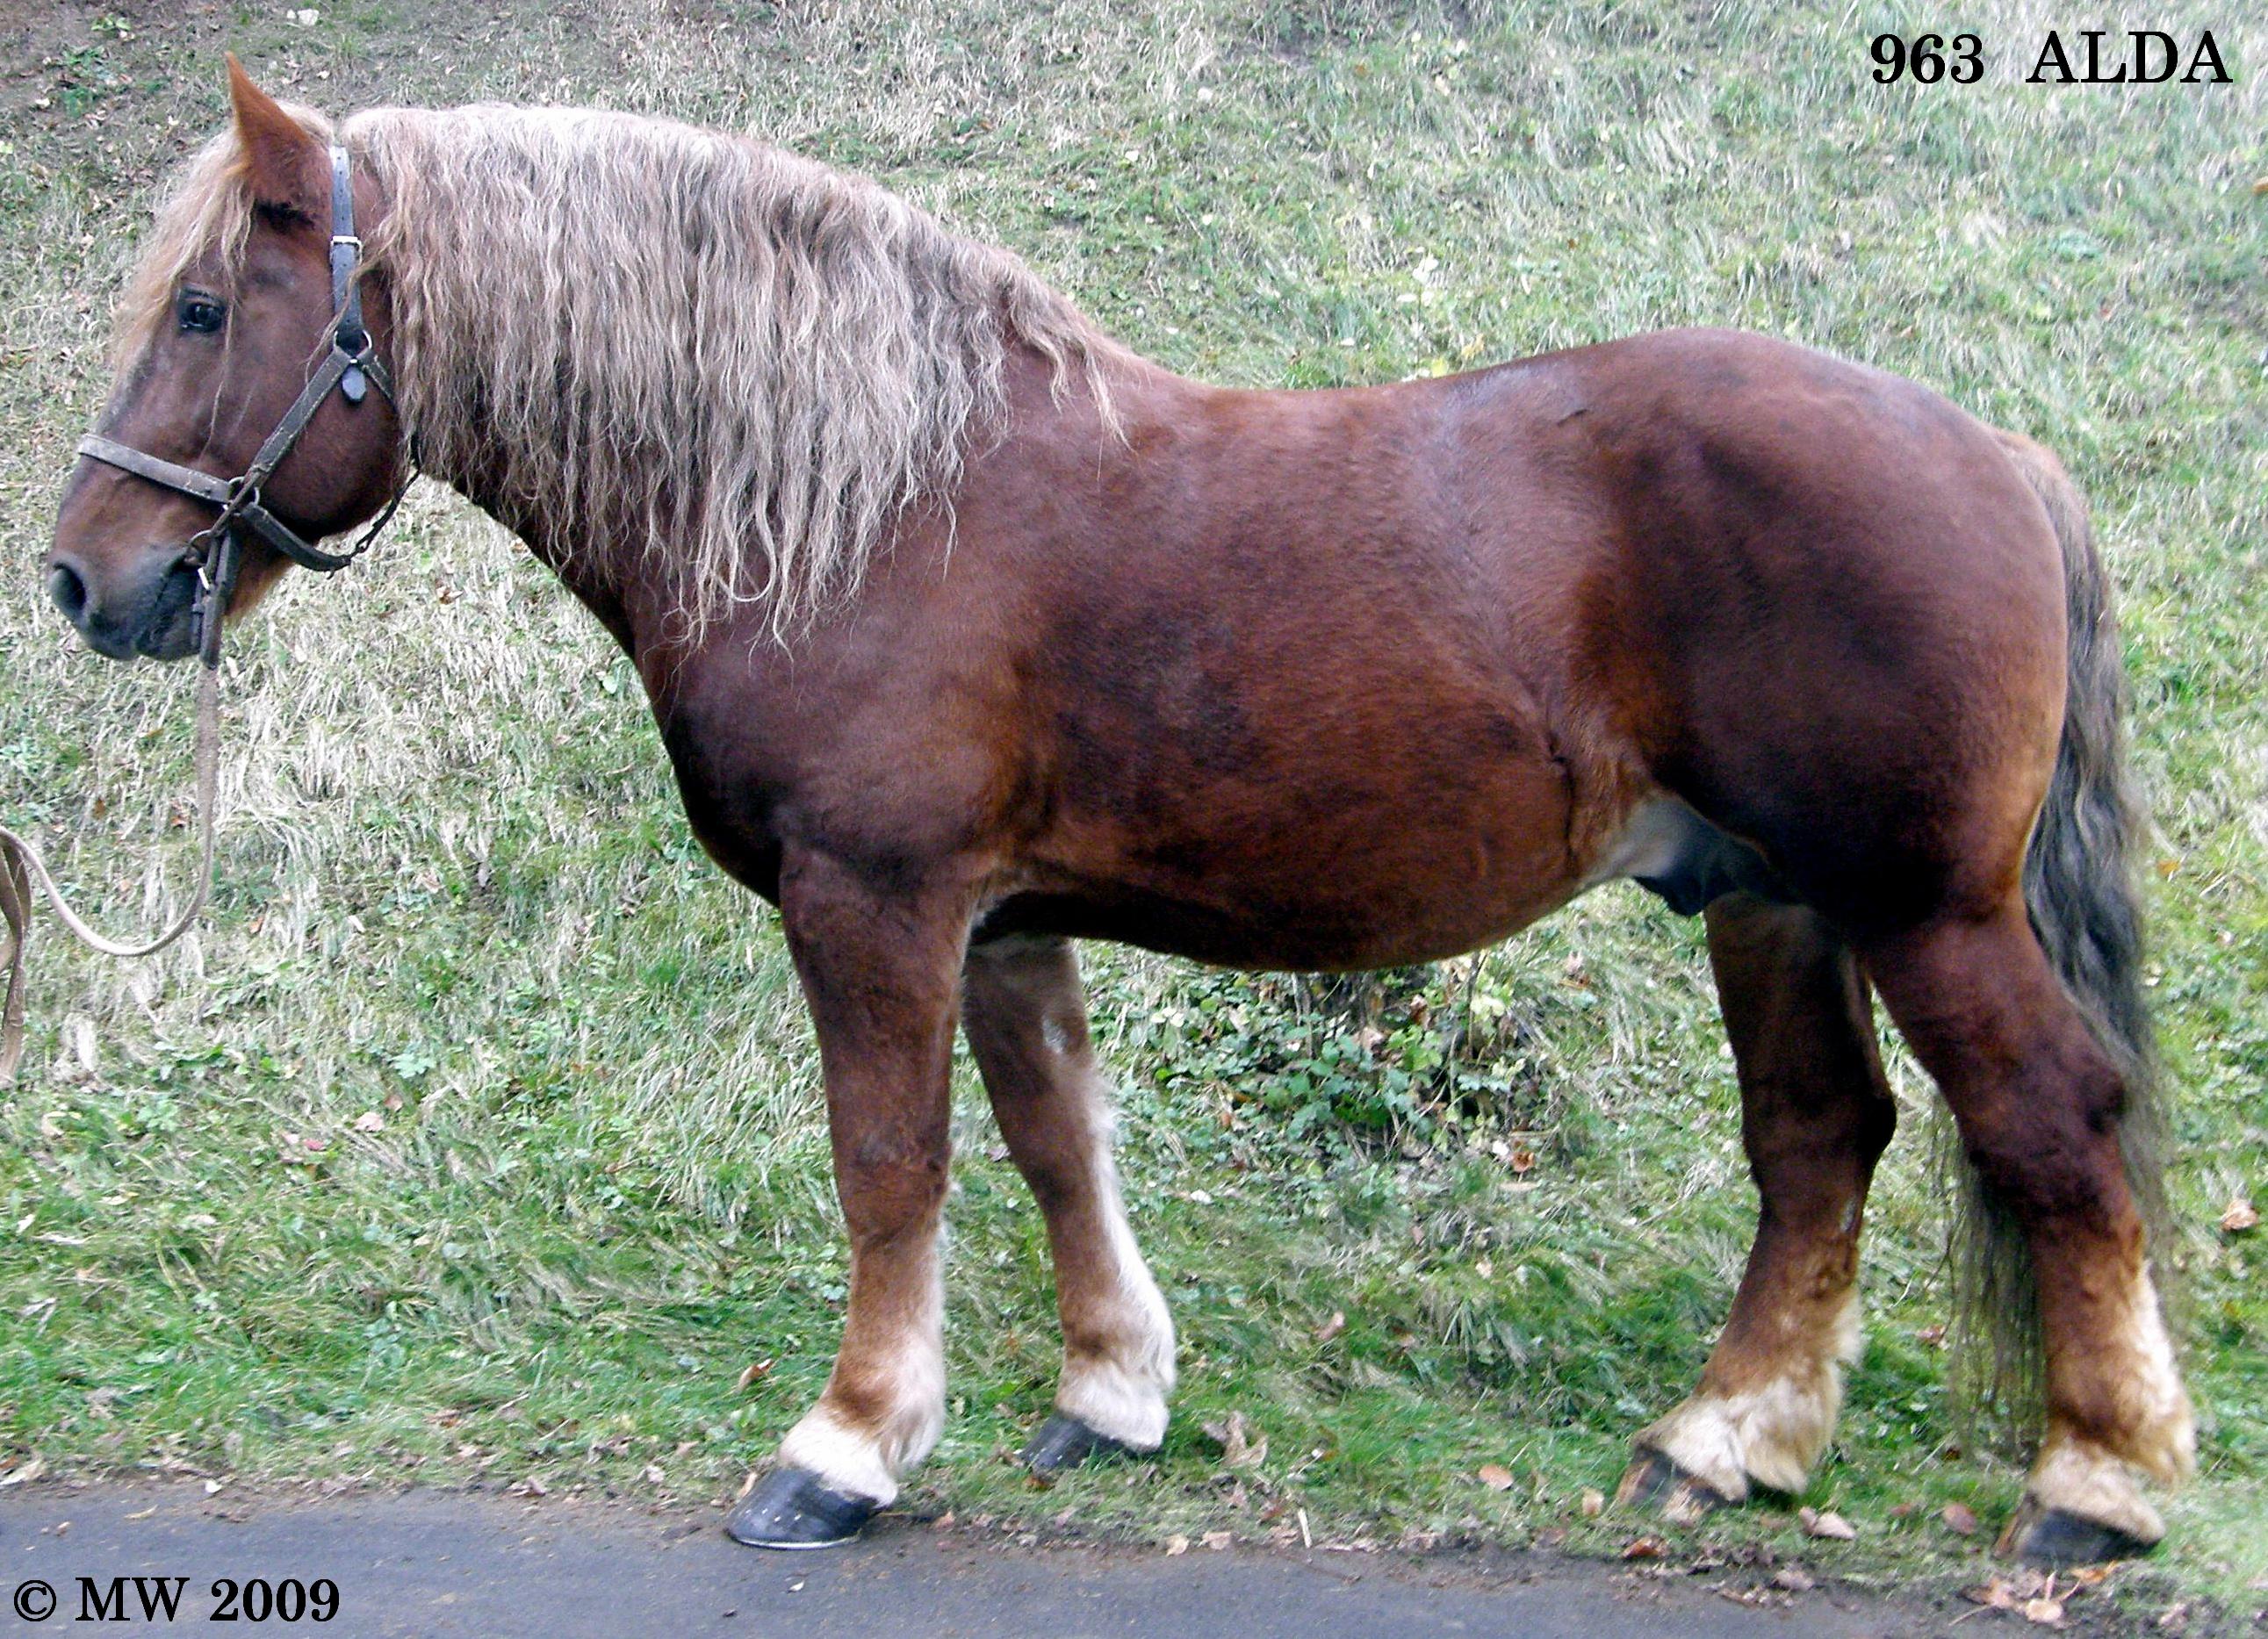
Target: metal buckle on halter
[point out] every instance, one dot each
(197, 554)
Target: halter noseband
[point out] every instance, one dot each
(352, 366)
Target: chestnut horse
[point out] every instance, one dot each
(971, 634)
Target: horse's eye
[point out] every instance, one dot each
(201, 313)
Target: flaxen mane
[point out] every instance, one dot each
(684, 345)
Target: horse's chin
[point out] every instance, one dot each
(178, 642)
(169, 629)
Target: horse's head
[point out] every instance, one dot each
(230, 312)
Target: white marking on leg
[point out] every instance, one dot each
(2164, 1428)
(860, 1460)
(1121, 1394)
(2082, 1477)
(1771, 1435)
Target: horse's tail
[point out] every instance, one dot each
(2079, 886)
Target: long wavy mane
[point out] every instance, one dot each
(736, 365)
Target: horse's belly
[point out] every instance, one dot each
(1393, 847)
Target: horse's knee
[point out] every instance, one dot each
(889, 1187)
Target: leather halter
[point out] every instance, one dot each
(352, 366)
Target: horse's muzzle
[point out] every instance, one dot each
(153, 615)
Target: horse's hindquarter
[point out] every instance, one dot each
(1833, 622)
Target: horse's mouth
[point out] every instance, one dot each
(169, 631)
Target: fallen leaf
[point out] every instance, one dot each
(1523, 1159)
(1242, 1445)
(2046, 1612)
(1794, 1578)
(2015, 1590)
(1959, 1518)
(1496, 1476)
(1593, 1504)
(1217, 1540)
(651, 1473)
(756, 1369)
(1645, 1548)
(2241, 1215)
(1331, 1327)
(1830, 1525)
(369, 1122)
(1176, 1546)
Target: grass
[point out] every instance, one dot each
(477, 1137)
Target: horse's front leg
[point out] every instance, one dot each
(880, 972)
(1027, 1024)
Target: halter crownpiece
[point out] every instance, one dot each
(352, 366)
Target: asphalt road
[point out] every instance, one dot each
(448, 1563)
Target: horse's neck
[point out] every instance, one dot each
(584, 570)
(627, 594)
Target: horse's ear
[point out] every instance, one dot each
(282, 162)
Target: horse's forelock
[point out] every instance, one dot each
(207, 210)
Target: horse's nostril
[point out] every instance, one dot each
(68, 588)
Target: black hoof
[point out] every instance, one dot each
(1066, 1443)
(790, 1508)
(1654, 1479)
(2054, 1537)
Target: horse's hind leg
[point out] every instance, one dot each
(1815, 1117)
(1026, 1018)
(2038, 1105)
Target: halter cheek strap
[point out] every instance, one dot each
(348, 336)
